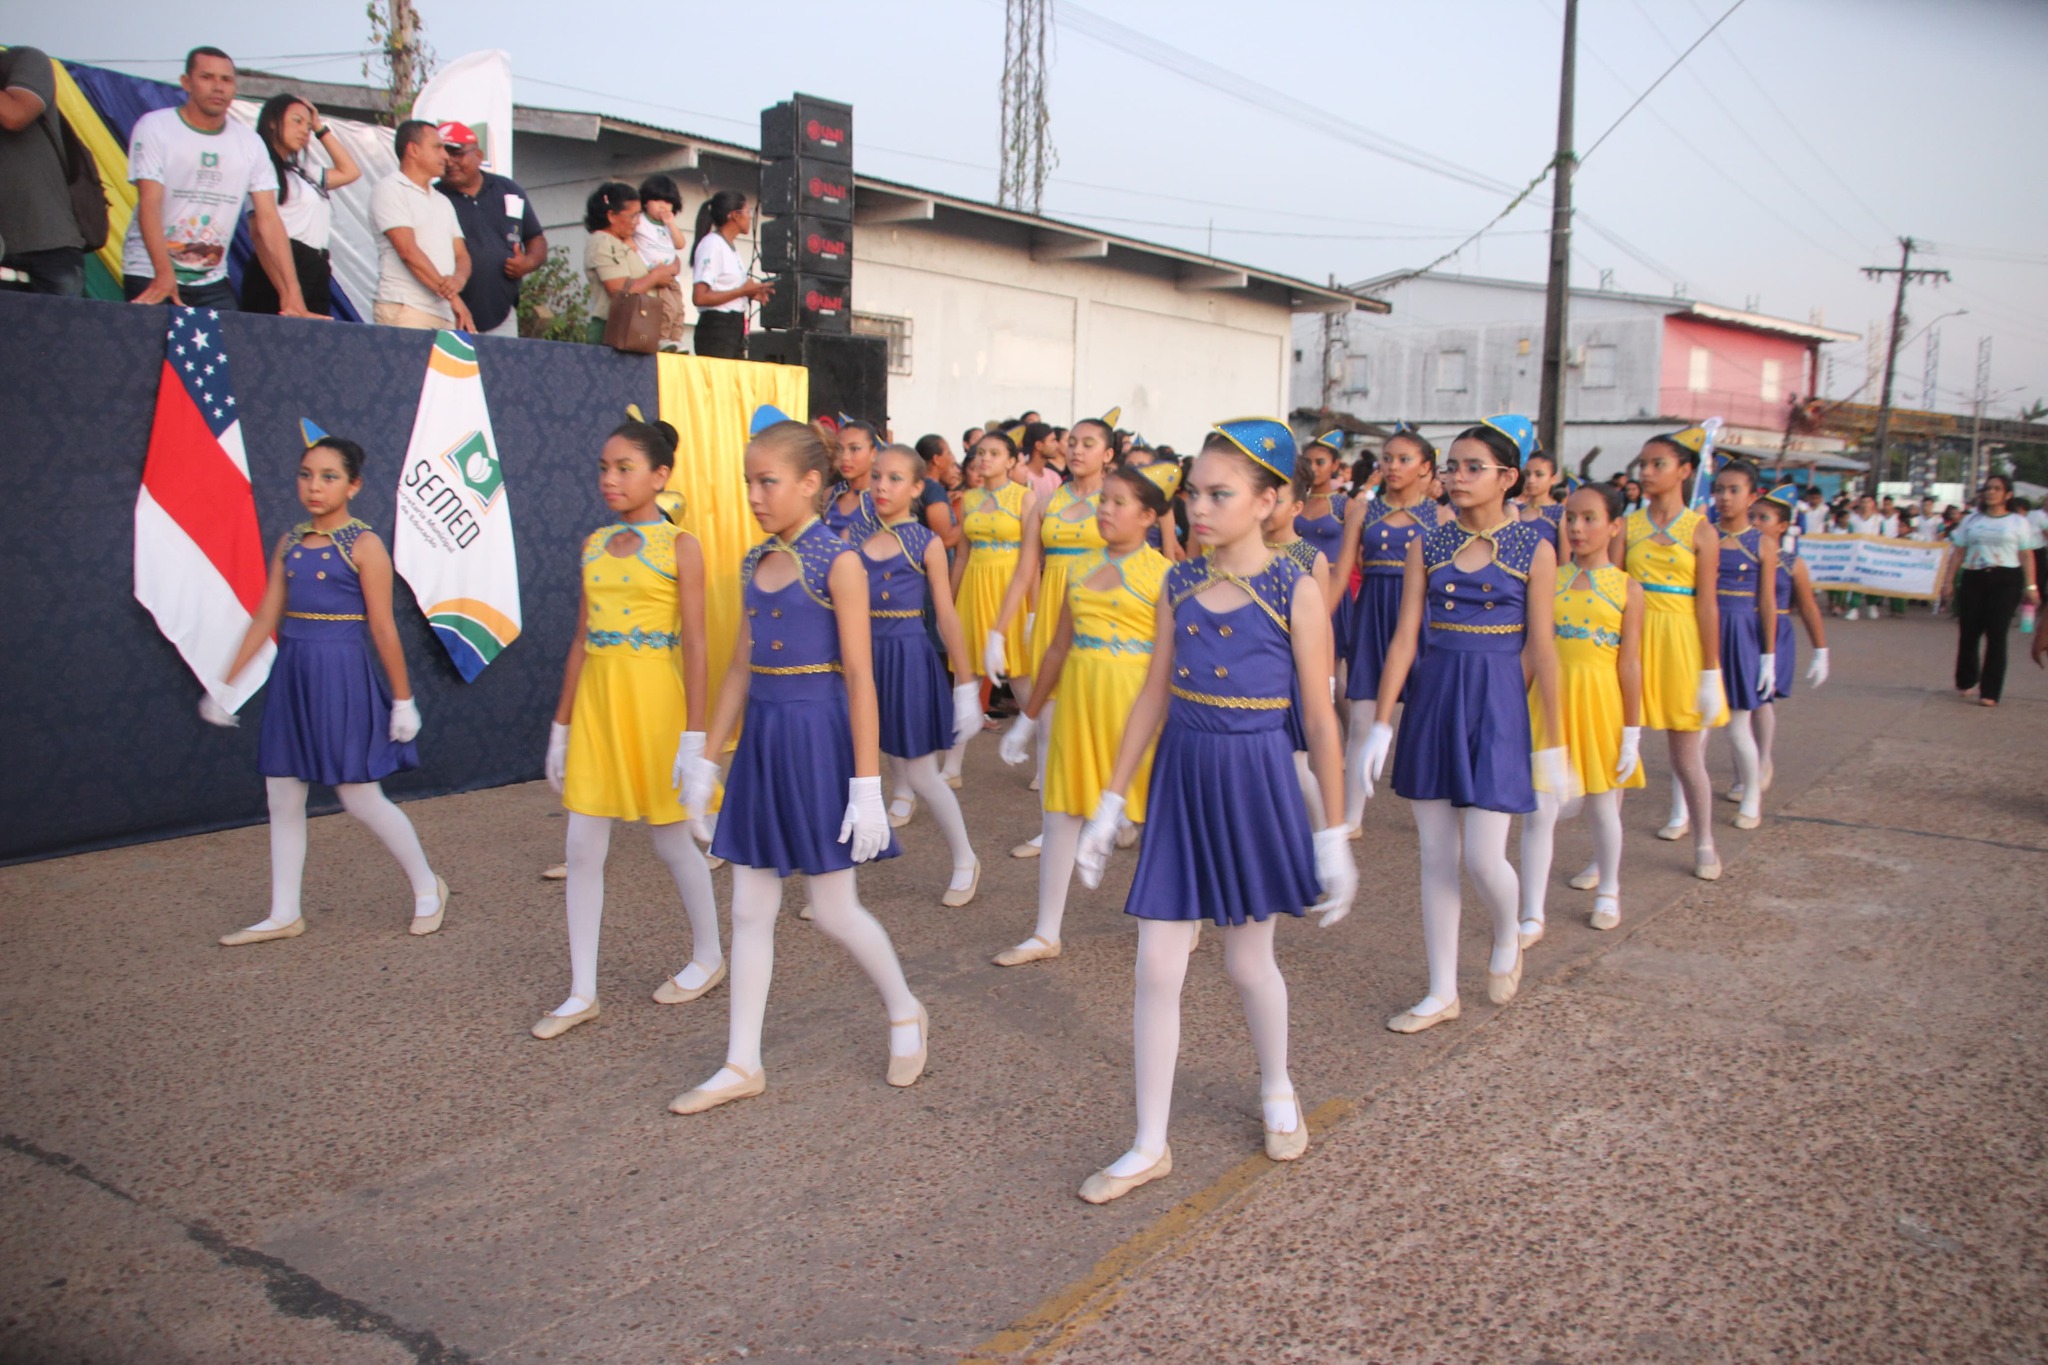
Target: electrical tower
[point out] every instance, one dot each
(1907, 274)
(1930, 379)
(1975, 477)
(1028, 156)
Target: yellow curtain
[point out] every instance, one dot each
(113, 163)
(709, 403)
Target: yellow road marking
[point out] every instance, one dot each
(1058, 1320)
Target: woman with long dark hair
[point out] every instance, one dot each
(1995, 573)
(719, 284)
(289, 125)
(612, 216)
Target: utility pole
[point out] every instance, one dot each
(1907, 275)
(395, 36)
(1329, 347)
(1557, 295)
(1972, 479)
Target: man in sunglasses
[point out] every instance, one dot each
(499, 227)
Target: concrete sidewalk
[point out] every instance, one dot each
(1795, 1113)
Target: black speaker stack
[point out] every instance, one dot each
(806, 236)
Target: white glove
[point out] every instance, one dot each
(1556, 777)
(1631, 752)
(1098, 837)
(1816, 672)
(866, 826)
(1711, 698)
(1372, 758)
(405, 721)
(700, 779)
(994, 666)
(690, 746)
(966, 711)
(1337, 870)
(1767, 675)
(213, 713)
(1016, 746)
(557, 765)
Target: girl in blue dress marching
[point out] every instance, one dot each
(919, 718)
(802, 674)
(1746, 590)
(1774, 515)
(1239, 633)
(1481, 586)
(340, 710)
(853, 449)
(1377, 533)
(1320, 522)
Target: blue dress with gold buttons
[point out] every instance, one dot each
(911, 687)
(1788, 657)
(1326, 533)
(1735, 589)
(786, 793)
(1226, 834)
(1465, 733)
(1383, 559)
(327, 706)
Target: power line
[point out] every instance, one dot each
(1679, 61)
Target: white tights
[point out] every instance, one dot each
(1766, 736)
(1163, 948)
(367, 802)
(1748, 764)
(837, 911)
(1692, 791)
(1485, 846)
(1055, 873)
(1603, 813)
(1354, 742)
(589, 840)
(922, 776)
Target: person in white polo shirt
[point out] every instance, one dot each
(422, 261)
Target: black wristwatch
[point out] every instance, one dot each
(322, 131)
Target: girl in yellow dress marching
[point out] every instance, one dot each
(1097, 660)
(992, 520)
(1671, 549)
(632, 713)
(1597, 615)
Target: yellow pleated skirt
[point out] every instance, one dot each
(1671, 668)
(1589, 709)
(628, 715)
(981, 597)
(1096, 693)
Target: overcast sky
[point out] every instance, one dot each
(1794, 146)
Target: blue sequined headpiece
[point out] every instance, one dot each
(1785, 496)
(766, 416)
(1333, 440)
(310, 432)
(1266, 440)
(1518, 429)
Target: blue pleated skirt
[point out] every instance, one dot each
(1465, 733)
(1788, 656)
(1226, 834)
(1374, 615)
(1741, 656)
(785, 796)
(327, 713)
(913, 693)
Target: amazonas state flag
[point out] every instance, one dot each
(453, 541)
(199, 565)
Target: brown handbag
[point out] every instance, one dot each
(634, 323)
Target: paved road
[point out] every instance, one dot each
(1796, 1113)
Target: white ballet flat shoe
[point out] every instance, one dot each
(1606, 912)
(1734, 794)
(1288, 1146)
(1126, 834)
(1671, 834)
(1408, 1021)
(241, 938)
(1708, 871)
(698, 1100)
(427, 924)
(1033, 949)
(1025, 850)
(671, 992)
(1744, 820)
(1529, 933)
(1502, 986)
(904, 1071)
(1586, 880)
(954, 780)
(899, 821)
(957, 898)
(558, 873)
(1102, 1187)
(555, 1025)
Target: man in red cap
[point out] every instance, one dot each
(498, 225)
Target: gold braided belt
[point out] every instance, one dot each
(794, 671)
(323, 616)
(894, 615)
(1476, 630)
(1233, 703)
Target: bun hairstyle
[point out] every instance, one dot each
(606, 200)
(1304, 481)
(1745, 469)
(351, 454)
(1263, 479)
(713, 213)
(993, 434)
(1149, 494)
(829, 438)
(656, 440)
(801, 448)
(1611, 498)
(1504, 452)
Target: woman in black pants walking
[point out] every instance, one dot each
(1996, 573)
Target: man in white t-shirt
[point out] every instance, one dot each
(193, 169)
(422, 261)
(1813, 513)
